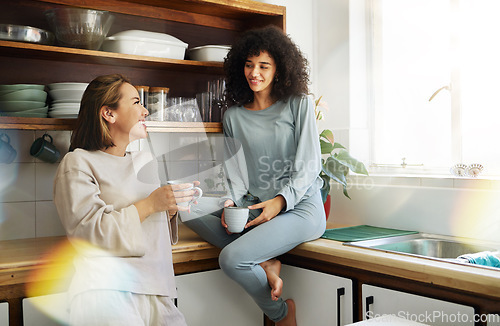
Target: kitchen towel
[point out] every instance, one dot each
(485, 258)
(362, 232)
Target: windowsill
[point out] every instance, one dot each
(432, 181)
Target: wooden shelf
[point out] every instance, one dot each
(173, 126)
(36, 123)
(69, 124)
(223, 14)
(29, 50)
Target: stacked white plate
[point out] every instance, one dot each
(23, 100)
(66, 98)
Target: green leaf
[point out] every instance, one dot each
(345, 193)
(346, 159)
(335, 170)
(325, 189)
(337, 145)
(326, 147)
(328, 135)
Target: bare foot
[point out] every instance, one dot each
(289, 320)
(272, 267)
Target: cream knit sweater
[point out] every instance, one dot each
(94, 193)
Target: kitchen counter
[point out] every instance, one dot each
(20, 258)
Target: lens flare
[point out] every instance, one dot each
(54, 276)
(476, 214)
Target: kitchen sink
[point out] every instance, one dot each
(427, 245)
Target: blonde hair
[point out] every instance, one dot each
(92, 132)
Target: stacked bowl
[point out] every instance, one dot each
(23, 100)
(66, 98)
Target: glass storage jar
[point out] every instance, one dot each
(157, 103)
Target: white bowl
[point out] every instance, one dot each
(69, 95)
(65, 111)
(146, 43)
(71, 105)
(78, 86)
(209, 53)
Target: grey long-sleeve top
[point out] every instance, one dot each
(281, 152)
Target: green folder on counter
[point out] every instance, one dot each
(362, 232)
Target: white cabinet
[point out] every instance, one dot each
(379, 301)
(319, 297)
(213, 299)
(46, 310)
(492, 319)
(4, 314)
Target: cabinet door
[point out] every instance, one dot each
(492, 319)
(46, 310)
(319, 297)
(4, 314)
(212, 299)
(380, 301)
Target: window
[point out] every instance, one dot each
(433, 69)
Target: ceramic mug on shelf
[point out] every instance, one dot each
(7, 152)
(44, 149)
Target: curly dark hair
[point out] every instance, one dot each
(292, 70)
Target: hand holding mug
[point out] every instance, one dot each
(186, 193)
(235, 218)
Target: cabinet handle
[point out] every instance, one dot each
(340, 292)
(369, 301)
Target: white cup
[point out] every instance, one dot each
(236, 218)
(196, 196)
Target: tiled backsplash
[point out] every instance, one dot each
(26, 185)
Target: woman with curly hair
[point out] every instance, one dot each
(272, 119)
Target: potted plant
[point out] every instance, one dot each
(336, 161)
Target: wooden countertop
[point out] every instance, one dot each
(19, 258)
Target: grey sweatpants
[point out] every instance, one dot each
(242, 253)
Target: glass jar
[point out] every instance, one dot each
(157, 103)
(143, 94)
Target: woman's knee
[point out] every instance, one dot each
(231, 259)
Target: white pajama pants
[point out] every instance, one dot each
(116, 308)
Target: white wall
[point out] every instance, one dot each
(459, 207)
(300, 27)
(462, 211)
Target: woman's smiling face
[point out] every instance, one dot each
(259, 72)
(130, 114)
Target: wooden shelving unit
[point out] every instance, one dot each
(196, 22)
(63, 54)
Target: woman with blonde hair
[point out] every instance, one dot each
(121, 227)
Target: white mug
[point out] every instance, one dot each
(236, 218)
(196, 196)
